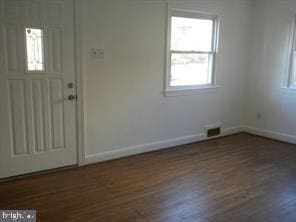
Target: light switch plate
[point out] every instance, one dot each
(97, 53)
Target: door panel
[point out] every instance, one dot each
(19, 143)
(38, 123)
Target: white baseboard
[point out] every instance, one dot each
(270, 134)
(128, 151)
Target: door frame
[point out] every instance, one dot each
(80, 123)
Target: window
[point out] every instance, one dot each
(191, 50)
(292, 74)
(34, 47)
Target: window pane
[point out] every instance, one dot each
(34, 43)
(189, 34)
(190, 69)
(293, 79)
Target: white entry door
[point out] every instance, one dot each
(37, 74)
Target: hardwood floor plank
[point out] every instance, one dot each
(235, 178)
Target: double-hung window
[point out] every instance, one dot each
(292, 73)
(191, 52)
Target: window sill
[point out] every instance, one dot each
(291, 89)
(188, 92)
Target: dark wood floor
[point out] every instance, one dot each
(233, 179)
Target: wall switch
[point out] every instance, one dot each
(97, 53)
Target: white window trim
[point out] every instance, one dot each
(191, 89)
(292, 57)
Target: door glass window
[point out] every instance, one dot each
(35, 49)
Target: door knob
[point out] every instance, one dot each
(72, 97)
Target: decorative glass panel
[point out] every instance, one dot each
(35, 48)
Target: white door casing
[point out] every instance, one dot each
(38, 122)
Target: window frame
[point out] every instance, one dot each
(174, 12)
(292, 59)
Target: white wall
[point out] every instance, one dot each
(271, 39)
(124, 102)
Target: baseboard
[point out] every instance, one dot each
(129, 151)
(270, 134)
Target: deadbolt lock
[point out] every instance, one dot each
(71, 85)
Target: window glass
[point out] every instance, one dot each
(189, 34)
(35, 49)
(190, 69)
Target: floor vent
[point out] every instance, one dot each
(212, 132)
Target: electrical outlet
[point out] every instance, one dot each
(97, 53)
